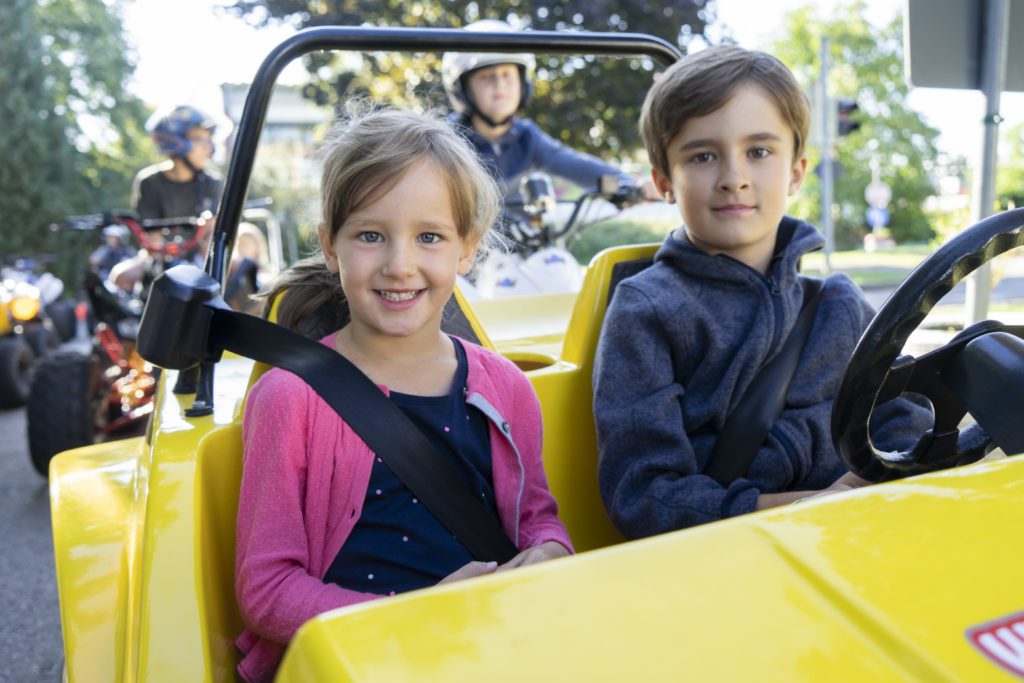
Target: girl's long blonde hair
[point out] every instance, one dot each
(363, 156)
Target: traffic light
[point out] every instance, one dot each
(846, 110)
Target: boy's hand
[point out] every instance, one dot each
(538, 553)
(468, 571)
(847, 482)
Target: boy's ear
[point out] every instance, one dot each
(664, 185)
(796, 176)
(327, 247)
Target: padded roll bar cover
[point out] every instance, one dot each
(176, 322)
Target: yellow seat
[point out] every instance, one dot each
(218, 477)
(566, 398)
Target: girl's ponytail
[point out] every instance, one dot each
(312, 301)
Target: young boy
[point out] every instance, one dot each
(180, 187)
(725, 129)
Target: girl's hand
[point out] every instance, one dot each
(538, 553)
(468, 571)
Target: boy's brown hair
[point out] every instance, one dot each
(703, 82)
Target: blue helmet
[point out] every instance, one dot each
(171, 131)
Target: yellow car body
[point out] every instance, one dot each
(885, 583)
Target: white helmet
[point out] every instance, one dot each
(456, 65)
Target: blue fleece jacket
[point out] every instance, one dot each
(682, 341)
(525, 148)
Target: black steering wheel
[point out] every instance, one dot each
(878, 373)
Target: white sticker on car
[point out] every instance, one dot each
(1002, 641)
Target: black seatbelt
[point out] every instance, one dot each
(377, 420)
(747, 426)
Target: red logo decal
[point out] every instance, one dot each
(1002, 641)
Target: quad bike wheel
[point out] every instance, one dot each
(62, 313)
(62, 405)
(16, 358)
(42, 338)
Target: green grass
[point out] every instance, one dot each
(870, 269)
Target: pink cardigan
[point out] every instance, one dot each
(304, 478)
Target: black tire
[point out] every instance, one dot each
(16, 359)
(41, 338)
(62, 406)
(62, 313)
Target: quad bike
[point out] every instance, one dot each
(539, 260)
(525, 295)
(96, 386)
(33, 322)
(916, 579)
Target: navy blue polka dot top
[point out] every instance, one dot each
(397, 544)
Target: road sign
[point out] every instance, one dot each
(877, 217)
(877, 194)
(944, 40)
(837, 169)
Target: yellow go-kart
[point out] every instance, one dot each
(917, 579)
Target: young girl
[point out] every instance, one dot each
(323, 522)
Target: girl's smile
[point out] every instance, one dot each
(399, 297)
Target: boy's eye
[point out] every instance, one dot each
(760, 152)
(370, 237)
(702, 157)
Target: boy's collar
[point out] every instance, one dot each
(784, 234)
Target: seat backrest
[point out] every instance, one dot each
(566, 396)
(218, 477)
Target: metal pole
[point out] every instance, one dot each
(993, 75)
(827, 168)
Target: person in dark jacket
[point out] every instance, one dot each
(182, 186)
(487, 90)
(682, 341)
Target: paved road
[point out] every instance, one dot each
(1009, 288)
(30, 642)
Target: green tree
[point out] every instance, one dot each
(866, 66)
(1010, 173)
(72, 138)
(588, 105)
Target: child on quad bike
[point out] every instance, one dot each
(181, 186)
(685, 338)
(487, 90)
(323, 522)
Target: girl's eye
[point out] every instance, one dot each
(702, 157)
(370, 237)
(430, 238)
(760, 152)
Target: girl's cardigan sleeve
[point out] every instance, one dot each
(276, 543)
